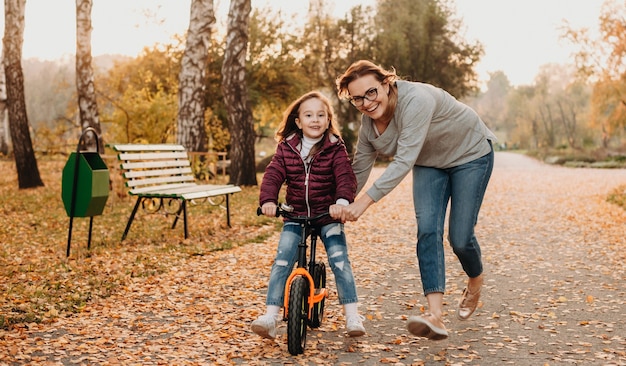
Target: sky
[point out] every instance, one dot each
(518, 35)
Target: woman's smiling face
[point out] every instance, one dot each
(369, 96)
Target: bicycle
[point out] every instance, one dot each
(305, 290)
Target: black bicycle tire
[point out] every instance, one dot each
(319, 278)
(297, 316)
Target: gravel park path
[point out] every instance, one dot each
(555, 264)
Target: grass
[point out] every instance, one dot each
(618, 196)
(581, 158)
(40, 283)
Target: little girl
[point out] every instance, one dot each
(311, 159)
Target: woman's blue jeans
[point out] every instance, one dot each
(334, 239)
(464, 187)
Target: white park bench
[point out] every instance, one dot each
(161, 177)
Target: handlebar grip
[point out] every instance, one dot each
(259, 211)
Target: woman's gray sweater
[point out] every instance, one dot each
(429, 128)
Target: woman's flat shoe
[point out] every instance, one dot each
(468, 303)
(424, 326)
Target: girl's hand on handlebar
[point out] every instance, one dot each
(269, 209)
(336, 212)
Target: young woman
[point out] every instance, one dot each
(448, 148)
(311, 159)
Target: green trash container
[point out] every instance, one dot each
(92, 187)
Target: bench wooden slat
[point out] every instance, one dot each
(147, 190)
(154, 164)
(164, 171)
(157, 172)
(148, 147)
(214, 192)
(154, 156)
(159, 180)
(192, 191)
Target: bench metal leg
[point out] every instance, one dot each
(228, 209)
(177, 216)
(131, 218)
(185, 218)
(183, 209)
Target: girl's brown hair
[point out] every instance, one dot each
(362, 68)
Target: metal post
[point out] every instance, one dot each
(74, 188)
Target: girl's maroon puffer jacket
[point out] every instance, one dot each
(329, 177)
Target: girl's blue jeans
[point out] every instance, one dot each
(464, 187)
(334, 239)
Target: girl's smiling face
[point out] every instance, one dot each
(313, 118)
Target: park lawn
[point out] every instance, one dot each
(39, 283)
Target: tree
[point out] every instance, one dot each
(524, 134)
(51, 98)
(274, 73)
(356, 37)
(329, 46)
(569, 100)
(357, 34)
(235, 91)
(419, 39)
(139, 96)
(492, 105)
(87, 105)
(318, 42)
(191, 131)
(25, 161)
(4, 121)
(603, 61)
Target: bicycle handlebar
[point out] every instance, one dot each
(281, 211)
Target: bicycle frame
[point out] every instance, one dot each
(306, 301)
(302, 268)
(307, 227)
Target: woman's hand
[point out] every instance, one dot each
(269, 209)
(353, 211)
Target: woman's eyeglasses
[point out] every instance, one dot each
(371, 94)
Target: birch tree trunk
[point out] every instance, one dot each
(85, 88)
(235, 90)
(4, 121)
(191, 130)
(25, 161)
